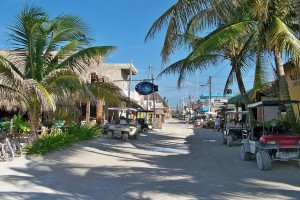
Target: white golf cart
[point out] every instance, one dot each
(274, 142)
(234, 127)
(122, 127)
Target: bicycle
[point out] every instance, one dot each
(7, 152)
(16, 143)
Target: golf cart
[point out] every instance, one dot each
(234, 126)
(271, 141)
(122, 127)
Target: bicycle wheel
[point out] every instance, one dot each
(7, 152)
(17, 148)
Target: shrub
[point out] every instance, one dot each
(58, 139)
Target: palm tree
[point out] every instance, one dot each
(268, 20)
(277, 30)
(47, 61)
(208, 50)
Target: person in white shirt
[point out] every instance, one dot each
(217, 123)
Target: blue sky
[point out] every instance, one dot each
(124, 24)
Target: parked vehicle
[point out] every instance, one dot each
(123, 128)
(234, 127)
(277, 142)
(144, 125)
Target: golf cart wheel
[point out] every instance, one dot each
(136, 136)
(125, 136)
(229, 140)
(263, 160)
(245, 155)
(145, 130)
(109, 135)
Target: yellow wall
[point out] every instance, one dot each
(292, 76)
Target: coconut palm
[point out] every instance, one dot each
(271, 21)
(47, 61)
(278, 32)
(209, 50)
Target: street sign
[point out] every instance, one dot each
(145, 88)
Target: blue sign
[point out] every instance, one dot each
(145, 88)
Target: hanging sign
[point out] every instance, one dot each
(145, 88)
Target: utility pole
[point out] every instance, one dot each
(154, 114)
(209, 82)
(129, 84)
(149, 77)
(197, 86)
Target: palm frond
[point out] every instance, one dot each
(222, 36)
(67, 28)
(107, 91)
(281, 36)
(60, 80)
(36, 91)
(80, 61)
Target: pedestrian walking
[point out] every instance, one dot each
(186, 122)
(217, 123)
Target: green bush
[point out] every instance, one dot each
(293, 122)
(58, 140)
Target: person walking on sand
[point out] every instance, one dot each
(186, 122)
(217, 123)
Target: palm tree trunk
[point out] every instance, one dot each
(34, 121)
(243, 91)
(88, 112)
(99, 112)
(283, 86)
(241, 86)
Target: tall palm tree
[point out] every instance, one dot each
(278, 32)
(208, 50)
(47, 60)
(272, 22)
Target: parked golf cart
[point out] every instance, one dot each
(144, 125)
(122, 127)
(234, 127)
(272, 142)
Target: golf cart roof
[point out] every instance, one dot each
(272, 103)
(122, 109)
(146, 111)
(236, 112)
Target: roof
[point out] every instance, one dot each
(123, 66)
(236, 112)
(269, 89)
(156, 97)
(272, 103)
(122, 109)
(216, 95)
